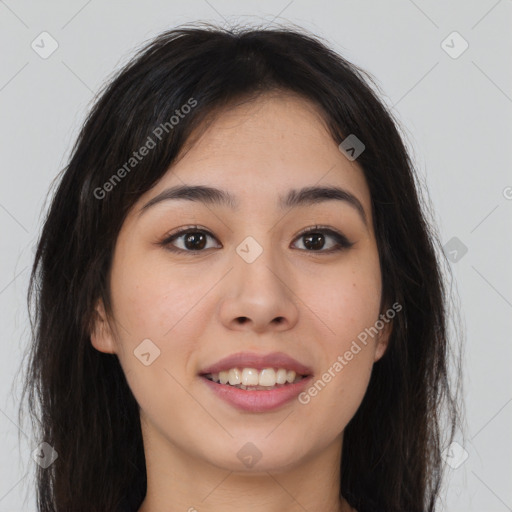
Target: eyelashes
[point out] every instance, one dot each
(311, 234)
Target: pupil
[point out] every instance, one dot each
(195, 246)
(317, 239)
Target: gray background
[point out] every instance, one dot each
(456, 115)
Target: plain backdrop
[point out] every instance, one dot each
(455, 107)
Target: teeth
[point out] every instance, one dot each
(250, 377)
(281, 376)
(267, 377)
(235, 377)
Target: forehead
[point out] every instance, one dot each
(259, 150)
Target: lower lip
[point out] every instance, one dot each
(258, 401)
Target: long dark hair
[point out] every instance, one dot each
(78, 397)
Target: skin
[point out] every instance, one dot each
(188, 305)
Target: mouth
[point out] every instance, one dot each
(255, 398)
(252, 379)
(257, 383)
(253, 371)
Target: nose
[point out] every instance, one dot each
(259, 296)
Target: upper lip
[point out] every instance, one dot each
(258, 362)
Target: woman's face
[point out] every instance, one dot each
(247, 280)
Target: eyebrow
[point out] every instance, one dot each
(294, 198)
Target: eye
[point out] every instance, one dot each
(314, 239)
(194, 239)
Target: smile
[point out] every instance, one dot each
(255, 397)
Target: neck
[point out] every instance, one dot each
(178, 482)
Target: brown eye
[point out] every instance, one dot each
(314, 240)
(195, 239)
(192, 240)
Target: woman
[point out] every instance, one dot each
(237, 299)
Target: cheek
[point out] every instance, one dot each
(153, 302)
(348, 300)
(348, 355)
(348, 306)
(150, 297)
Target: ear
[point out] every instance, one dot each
(102, 338)
(383, 340)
